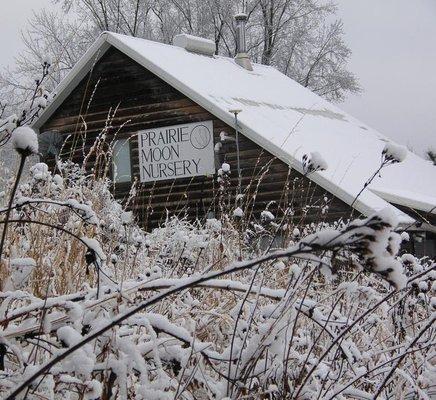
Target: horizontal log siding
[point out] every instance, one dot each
(144, 101)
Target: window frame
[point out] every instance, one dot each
(114, 166)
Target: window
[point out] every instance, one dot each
(50, 144)
(121, 161)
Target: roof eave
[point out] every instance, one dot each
(424, 205)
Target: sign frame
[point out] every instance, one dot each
(176, 151)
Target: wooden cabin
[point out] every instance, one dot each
(174, 119)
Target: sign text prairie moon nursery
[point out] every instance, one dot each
(177, 151)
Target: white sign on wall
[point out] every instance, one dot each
(177, 151)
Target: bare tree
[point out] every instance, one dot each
(58, 41)
(296, 36)
(431, 155)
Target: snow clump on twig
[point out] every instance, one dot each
(25, 141)
(313, 162)
(394, 153)
(238, 212)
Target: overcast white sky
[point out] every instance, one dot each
(394, 55)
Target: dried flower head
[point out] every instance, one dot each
(313, 162)
(394, 153)
(25, 141)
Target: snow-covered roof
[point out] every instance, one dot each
(283, 117)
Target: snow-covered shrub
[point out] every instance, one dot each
(69, 210)
(199, 310)
(242, 306)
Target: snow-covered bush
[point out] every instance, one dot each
(93, 307)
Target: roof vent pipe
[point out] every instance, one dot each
(242, 58)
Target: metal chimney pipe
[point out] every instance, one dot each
(241, 20)
(242, 58)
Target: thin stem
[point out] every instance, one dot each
(359, 377)
(11, 200)
(367, 183)
(339, 337)
(397, 363)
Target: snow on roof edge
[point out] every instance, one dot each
(403, 198)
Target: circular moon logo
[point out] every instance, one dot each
(200, 137)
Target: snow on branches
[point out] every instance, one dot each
(200, 311)
(29, 111)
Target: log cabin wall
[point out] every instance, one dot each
(144, 101)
